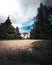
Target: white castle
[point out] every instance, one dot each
(26, 35)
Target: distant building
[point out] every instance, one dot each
(26, 35)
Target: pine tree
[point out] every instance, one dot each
(38, 30)
(49, 29)
(7, 31)
(8, 21)
(42, 24)
(18, 33)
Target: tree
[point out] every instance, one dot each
(7, 31)
(42, 24)
(39, 22)
(8, 21)
(18, 34)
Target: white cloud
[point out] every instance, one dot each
(15, 25)
(19, 10)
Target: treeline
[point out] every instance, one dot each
(7, 31)
(43, 25)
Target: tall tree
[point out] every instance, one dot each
(7, 31)
(42, 24)
(8, 21)
(18, 33)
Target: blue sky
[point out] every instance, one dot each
(28, 25)
(22, 12)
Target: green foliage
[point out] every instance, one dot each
(8, 21)
(43, 26)
(43, 52)
(18, 33)
(7, 31)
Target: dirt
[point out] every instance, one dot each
(6, 45)
(16, 43)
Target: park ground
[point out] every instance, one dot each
(15, 43)
(6, 45)
(26, 52)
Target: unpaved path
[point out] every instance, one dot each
(14, 44)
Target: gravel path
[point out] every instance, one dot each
(14, 44)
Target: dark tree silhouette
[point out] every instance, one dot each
(18, 33)
(42, 29)
(7, 31)
(8, 22)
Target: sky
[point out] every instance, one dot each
(22, 12)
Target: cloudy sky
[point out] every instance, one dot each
(22, 12)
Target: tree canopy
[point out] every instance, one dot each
(43, 26)
(7, 31)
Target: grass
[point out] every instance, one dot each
(41, 54)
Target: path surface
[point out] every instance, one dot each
(13, 44)
(16, 43)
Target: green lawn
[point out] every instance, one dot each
(43, 52)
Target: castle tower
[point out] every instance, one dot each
(28, 33)
(28, 36)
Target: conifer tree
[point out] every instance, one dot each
(8, 21)
(18, 33)
(42, 24)
(7, 31)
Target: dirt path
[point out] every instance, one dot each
(14, 44)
